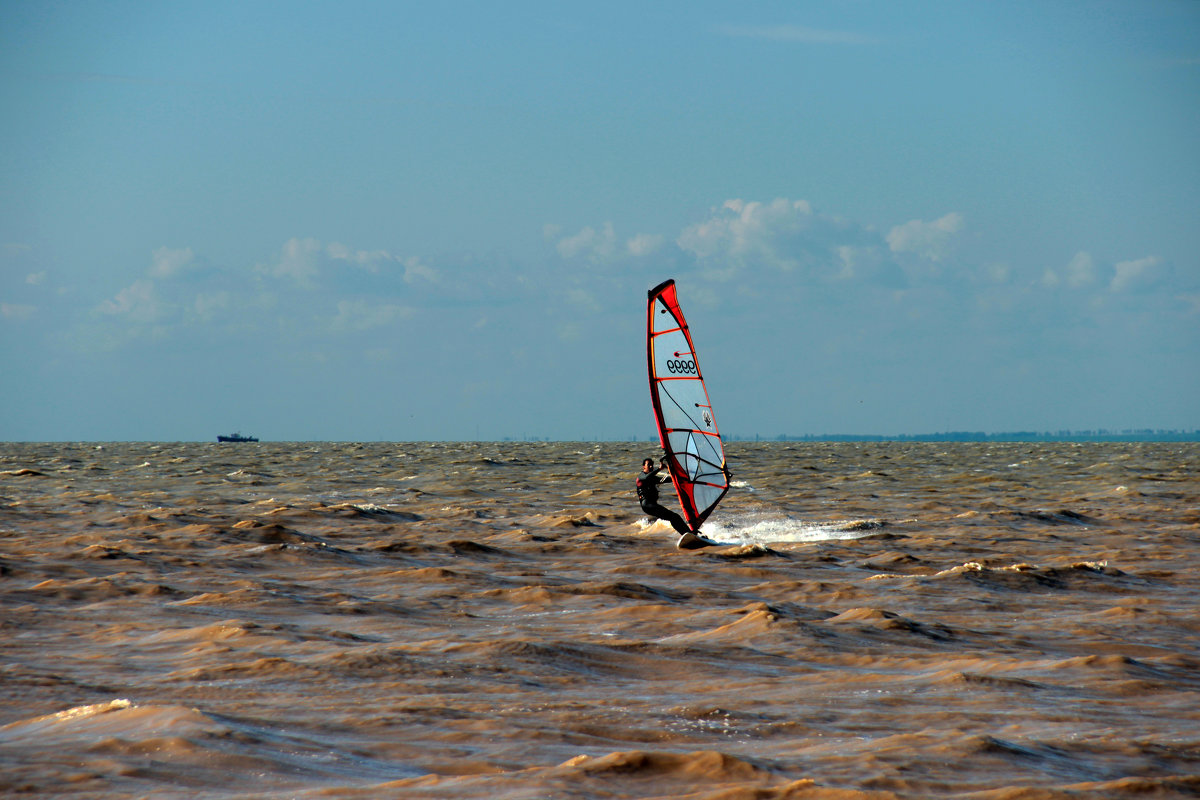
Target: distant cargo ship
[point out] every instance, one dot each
(237, 437)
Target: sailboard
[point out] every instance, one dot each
(687, 428)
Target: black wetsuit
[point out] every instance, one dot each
(647, 490)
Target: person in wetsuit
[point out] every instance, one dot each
(647, 491)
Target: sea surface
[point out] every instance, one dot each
(499, 620)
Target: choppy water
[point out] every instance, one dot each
(499, 621)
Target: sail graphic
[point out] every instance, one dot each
(687, 428)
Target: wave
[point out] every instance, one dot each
(883, 620)
(649, 774)
(94, 749)
(1094, 575)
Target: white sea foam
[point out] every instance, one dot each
(767, 529)
(735, 529)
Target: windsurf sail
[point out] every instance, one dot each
(687, 428)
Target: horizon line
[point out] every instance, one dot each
(1082, 435)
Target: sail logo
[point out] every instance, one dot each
(707, 419)
(680, 365)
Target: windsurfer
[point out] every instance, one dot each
(647, 491)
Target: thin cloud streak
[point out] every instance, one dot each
(797, 33)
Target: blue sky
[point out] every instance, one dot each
(393, 221)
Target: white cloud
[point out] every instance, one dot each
(16, 311)
(416, 270)
(359, 290)
(298, 261)
(167, 263)
(1137, 274)
(584, 299)
(365, 258)
(858, 261)
(1079, 273)
(36, 278)
(304, 259)
(784, 234)
(795, 242)
(601, 246)
(596, 246)
(137, 302)
(929, 240)
(339, 251)
(378, 355)
(207, 304)
(644, 244)
(362, 315)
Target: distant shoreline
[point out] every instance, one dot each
(1101, 435)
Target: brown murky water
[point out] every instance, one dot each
(498, 621)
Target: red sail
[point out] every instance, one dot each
(687, 427)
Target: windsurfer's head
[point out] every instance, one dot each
(647, 464)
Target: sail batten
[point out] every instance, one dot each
(687, 428)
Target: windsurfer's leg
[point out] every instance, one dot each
(666, 514)
(677, 523)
